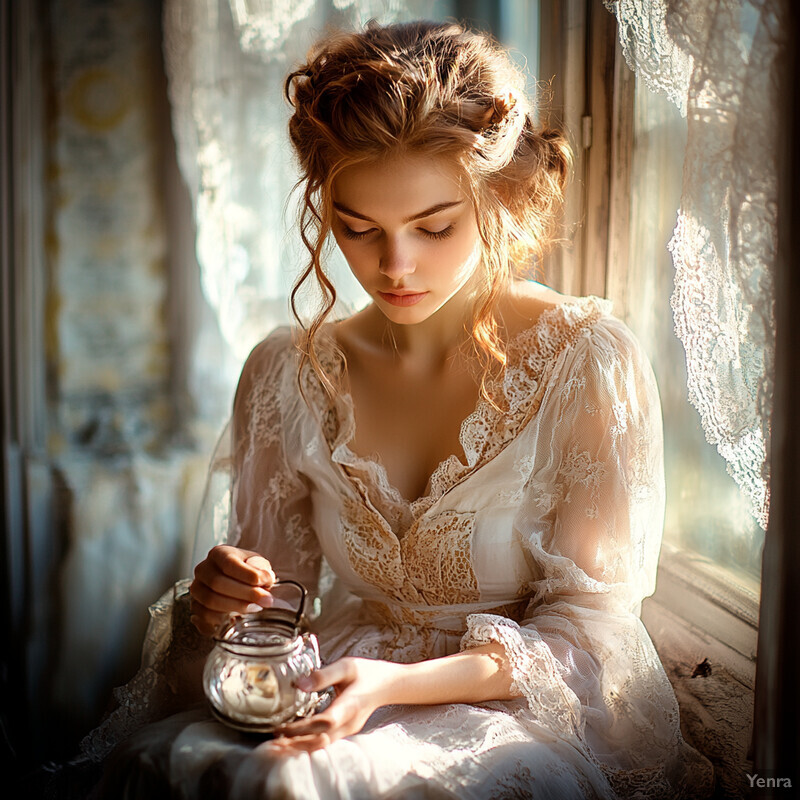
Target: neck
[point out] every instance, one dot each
(433, 343)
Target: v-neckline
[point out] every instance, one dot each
(525, 342)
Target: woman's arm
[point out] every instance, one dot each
(363, 685)
(269, 532)
(597, 556)
(475, 676)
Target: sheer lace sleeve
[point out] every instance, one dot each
(267, 510)
(270, 501)
(591, 525)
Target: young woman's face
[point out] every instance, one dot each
(408, 232)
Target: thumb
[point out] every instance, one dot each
(335, 674)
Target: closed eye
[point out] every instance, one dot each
(445, 233)
(442, 234)
(349, 233)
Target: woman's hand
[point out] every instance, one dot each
(229, 581)
(362, 685)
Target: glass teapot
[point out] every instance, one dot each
(249, 676)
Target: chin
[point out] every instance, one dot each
(413, 315)
(404, 316)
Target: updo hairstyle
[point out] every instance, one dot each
(437, 89)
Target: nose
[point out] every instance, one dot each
(396, 259)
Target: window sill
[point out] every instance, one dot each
(703, 621)
(712, 605)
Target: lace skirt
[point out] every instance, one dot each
(492, 750)
(450, 751)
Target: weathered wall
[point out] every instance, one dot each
(129, 494)
(109, 338)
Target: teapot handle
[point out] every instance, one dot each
(303, 595)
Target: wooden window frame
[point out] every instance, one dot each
(598, 259)
(701, 615)
(777, 700)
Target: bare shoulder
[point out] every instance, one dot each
(526, 302)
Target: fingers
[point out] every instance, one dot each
(228, 581)
(355, 681)
(320, 730)
(343, 717)
(224, 594)
(206, 621)
(261, 564)
(339, 673)
(245, 566)
(310, 726)
(302, 744)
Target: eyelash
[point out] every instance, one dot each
(445, 233)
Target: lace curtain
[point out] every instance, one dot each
(716, 62)
(226, 61)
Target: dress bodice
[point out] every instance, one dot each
(544, 540)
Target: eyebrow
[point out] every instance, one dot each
(428, 212)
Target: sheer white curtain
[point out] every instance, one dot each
(715, 59)
(226, 61)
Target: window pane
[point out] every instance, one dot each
(706, 512)
(515, 23)
(518, 30)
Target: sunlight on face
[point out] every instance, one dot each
(408, 232)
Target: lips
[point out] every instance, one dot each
(402, 298)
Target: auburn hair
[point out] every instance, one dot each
(427, 88)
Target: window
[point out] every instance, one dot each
(628, 146)
(706, 512)
(706, 605)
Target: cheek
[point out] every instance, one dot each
(467, 255)
(353, 252)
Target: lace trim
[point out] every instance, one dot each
(538, 677)
(484, 433)
(531, 356)
(300, 536)
(431, 566)
(393, 506)
(263, 409)
(536, 674)
(579, 468)
(374, 551)
(488, 430)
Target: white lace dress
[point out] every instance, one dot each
(545, 539)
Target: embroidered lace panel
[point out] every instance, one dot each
(488, 430)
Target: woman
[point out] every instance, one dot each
(476, 460)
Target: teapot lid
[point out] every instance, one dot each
(273, 628)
